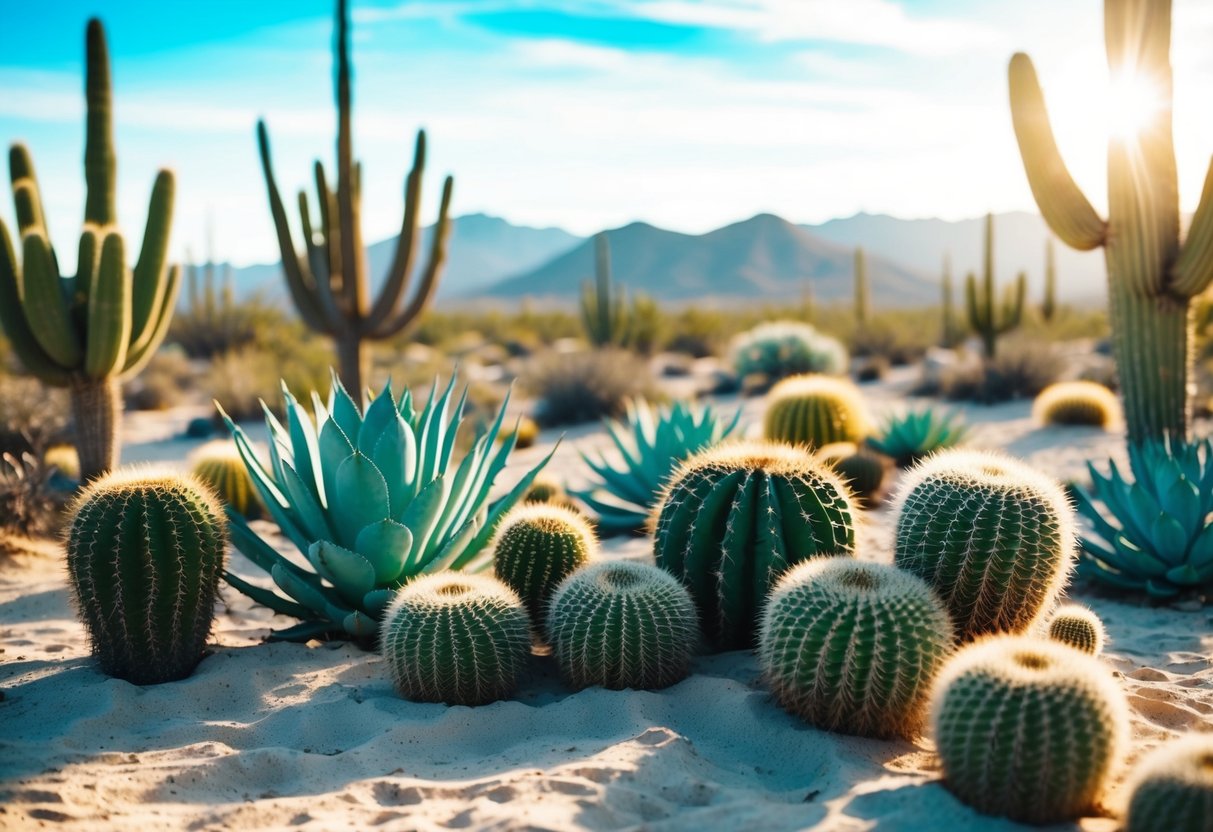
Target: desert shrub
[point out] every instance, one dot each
(1018, 371)
(32, 415)
(584, 386)
(773, 350)
(30, 502)
(697, 332)
(162, 384)
(204, 332)
(647, 326)
(240, 380)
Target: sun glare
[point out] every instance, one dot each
(1133, 102)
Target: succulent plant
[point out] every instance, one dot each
(915, 434)
(1048, 306)
(144, 555)
(1076, 403)
(537, 546)
(777, 349)
(622, 624)
(862, 470)
(815, 410)
(738, 515)
(854, 647)
(1171, 789)
(989, 317)
(863, 299)
(219, 465)
(991, 535)
(372, 500)
(1078, 627)
(1027, 729)
(457, 638)
(65, 459)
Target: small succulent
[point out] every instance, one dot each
(910, 436)
(1172, 788)
(219, 465)
(1078, 627)
(815, 410)
(1076, 403)
(776, 349)
(863, 470)
(537, 546)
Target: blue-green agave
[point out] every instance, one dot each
(371, 500)
(1155, 535)
(652, 441)
(910, 436)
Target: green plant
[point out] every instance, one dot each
(537, 546)
(815, 410)
(144, 554)
(652, 442)
(456, 638)
(218, 465)
(372, 500)
(736, 516)
(243, 379)
(912, 435)
(1076, 403)
(92, 331)
(1171, 789)
(648, 325)
(212, 323)
(854, 647)
(863, 301)
(1048, 306)
(1078, 627)
(991, 535)
(606, 318)
(987, 316)
(777, 349)
(622, 624)
(585, 386)
(862, 470)
(1028, 729)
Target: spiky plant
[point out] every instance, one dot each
(776, 349)
(1076, 403)
(863, 471)
(854, 647)
(815, 410)
(863, 300)
(912, 435)
(604, 307)
(65, 459)
(989, 317)
(1171, 789)
(736, 516)
(622, 624)
(1078, 627)
(219, 465)
(537, 546)
(1048, 306)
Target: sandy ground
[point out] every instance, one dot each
(287, 736)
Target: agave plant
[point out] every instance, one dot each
(371, 500)
(1155, 535)
(912, 435)
(652, 442)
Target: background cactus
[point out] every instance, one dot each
(736, 516)
(604, 311)
(776, 349)
(815, 410)
(990, 317)
(991, 535)
(1076, 403)
(1172, 788)
(144, 555)
(862, 470)
(456, 638)
(1048, 306)
(1078, 627)
(537, 546)
(951, 333)
(854, 647)
(912, 435)
(863, 300)
(219, 466)
(622, 624)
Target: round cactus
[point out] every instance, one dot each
(738, 515)
(622, 624)
(526, 433)
(863, 471)
(992, 536)
(1078, 627)
(854, 647)
(1076, 403)
(1172, 789)
(65, 458)
(144, 553)
(537, 546)
(815, 410)
(218, 464)
(455, 637)
(1027, 728)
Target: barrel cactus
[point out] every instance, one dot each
(1172, 788)
(456, 638)
(815, 410)
(854, 647)
(537, 546)
(1078, 627)
(863, 470)
(988, 533)
(64, 459)
(1076, 403)
(776, 349)
(622, 624)
(1028, 729)
(144, 555)
(736, 516)
(218, 464)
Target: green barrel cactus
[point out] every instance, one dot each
(456, 638)
(991, 535)
(863, 471)
(622, 624)
(854, 647)
(1076, 403)
(1172, 788)
(815, 410)
(537, 546)
(776, 349)
(218, 464)
(736, 516)
(144, 555)
(1078, 627)
(1028, 729)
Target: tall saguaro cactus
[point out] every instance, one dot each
(1048, 307)
(604, 314)
(1152, 278)
(328, 280)
(863, 301)
(988, 316)
(91, 331)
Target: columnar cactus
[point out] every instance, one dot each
(1076, 403)
(457, 638)
(989, 317)
(815, 410)
(537, 546)
(1048, 307)
(951, 332)
(992, 536)
(604, 309)
(1078, 627)
(736, 516)
(863, 301)
(862, 470)
(622, 624)
(218, 464)
(1027, 729)
(854, 647)
(1172, 788)
(144, 555)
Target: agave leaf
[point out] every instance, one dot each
(261, 553)
(395, 455)
(310, 596)
(452, 430)
(305, 454)
(352, 574)
(1159, 589)
(386, 545)
(360, 499)
(313, 521)
(335, 448)
(267, 598)
(1136, 560)
(379, 416)
(1169, 538)
(376, 601)
(360, 625)
(343, 409)
(271, 496)
(421, 516)
(621, 483)
(1200, 554)
(1182, 502)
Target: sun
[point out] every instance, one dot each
(1134, 102)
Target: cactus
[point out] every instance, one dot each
(603, 314)
(815, 410)
(1078, 627)
(144, 555)
(328, 281)
(65, 459)
(211, 323)
(1172, 788)
(219, 466)
(992, 536)
(951, 333)
(915, 434)
(92, 331)
(776, 349)
(854, 647)
(863, 471)
(536, 547)
(456, 638)
(736, 516)
(622, 624)
(987, 316)
(1027, 729)
(863, 300)
(1048, 306)
(1076, 403)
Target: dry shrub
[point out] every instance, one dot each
(1018, 371)
(585, 386)
(162, 384)
(32, 415)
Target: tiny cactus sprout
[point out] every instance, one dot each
(1172, 788)
(144, 554)
(1078, 627)
(1076, 403)
(736, 516)
(863, 470)
(992, 536)
(815, 410)
(218, 464)
(622, 624)
(456, 637)
(854, 647)
(537, 546)
(1027, 729)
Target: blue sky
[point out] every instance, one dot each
(581, 113)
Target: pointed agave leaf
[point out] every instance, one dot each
(452, 431)
(335, 448)
(376, 601)
(267, 597)
(343, 409)
(309, 596)
(360, 498)
(352, 574)
(261, 553)
(1170, 541)
(463, 485)
(395, 455)
(379, 415)
(305, 449)
(273, 499)
(360, 625)
(421, 517)
(386, 545)
(450, 555)
(312, 519)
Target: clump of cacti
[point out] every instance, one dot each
(546, 489)
(991, 535)
(736, 516)
(219, 465)
(144, 555)
(537, 546)
(1172, 788)
(863, 470)
(815, 410)
(604, 307)
(1028, 729)
(456, 638)
(777, 349)
(1078, 627)
(913, 435)
(854, 647)
(1076, 403)
(989, 316)
(622, 624)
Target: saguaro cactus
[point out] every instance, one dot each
(328, 281)
(604, 314)
(1151, 277)
(989, 317)
(91, 331)
(862, 297)
(1048, 307)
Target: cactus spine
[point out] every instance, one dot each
(1172, 788)
(815, 410)
(862, 296)
(537, 546)
(604, 311)
(218, 465)
(1078, 627)
(1048, 307)
(92, 331)
(144, 555)
(989, 317)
